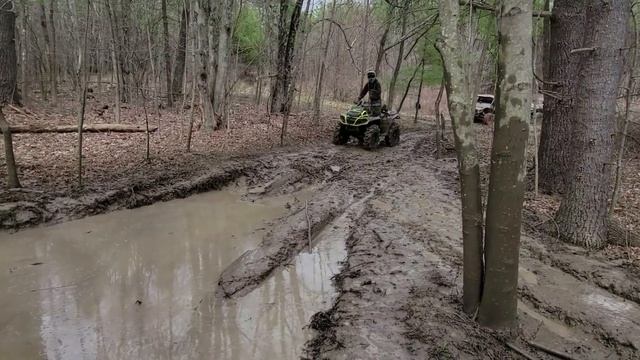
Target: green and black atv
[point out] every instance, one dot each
(371, 131)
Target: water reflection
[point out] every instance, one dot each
(139, 284)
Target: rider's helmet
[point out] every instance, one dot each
(371, 74)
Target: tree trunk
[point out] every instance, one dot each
(114, 58)
(624, 131)
(24, 54)
(498, 308)
(582, 215)
(317, 98)
(365, 42)
(224, 38)
(181, 55)
(213, 23)
(83, 93)
(202, 13)
(167, 52)
(8, 74)
(565, 34)
(124, 29)
(53, 56)
(47, 47)
(286, 44)
(439, 118)
(406, 90)
(396, 70)
(461, 111)
(12, 169)
(383, 39)
(419, 98)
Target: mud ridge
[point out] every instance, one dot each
(43, 209)
(288, 237)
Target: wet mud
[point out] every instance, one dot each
(141, 284)
(396, 284)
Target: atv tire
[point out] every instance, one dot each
(371, 137)
(339, 136)
(393, 135)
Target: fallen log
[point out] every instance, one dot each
(89, 128)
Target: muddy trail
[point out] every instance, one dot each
(398, 287)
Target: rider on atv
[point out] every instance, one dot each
(375, 93)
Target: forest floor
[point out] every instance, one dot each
(399, 287)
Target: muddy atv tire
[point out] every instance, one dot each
(339, 136)
(393, 136)
(371, 137)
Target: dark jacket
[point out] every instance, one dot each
(374, 89)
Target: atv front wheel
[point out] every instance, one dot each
(371, 137)
(339, 136)
(393, 136)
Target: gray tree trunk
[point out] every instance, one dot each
(167, 53)
(280, 93)
(498, 308)
(181, 55)
(582, 217)
(8, 74)
(202, 13)
(365, 43)
(383, 39)
(53, 56)
(317, 98)
(461, 110)
(398, 66)
(24, 54)
(224, 42)
(566, 33)
(115, 51)
(47, 49)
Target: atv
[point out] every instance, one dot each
(371, 131)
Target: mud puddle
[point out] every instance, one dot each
(140, 284)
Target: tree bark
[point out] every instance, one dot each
(124, 29)
(286, 43)
(566, 31)
(419, 98)
(224, 42)
(83, 93)
(462, 111)
(498, 308)
(317, 98)
(396, 70)
(115, 50)
(47, 47)
(383, 39)
(8, 74)
(181, 55)
(53, 56)
(406, 90)
(24, 54)
(582, 216)
(365, 42)
(202, 13)
(167, 53)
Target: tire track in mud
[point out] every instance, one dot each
(424, 206)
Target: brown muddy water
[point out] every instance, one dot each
(139, 284)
